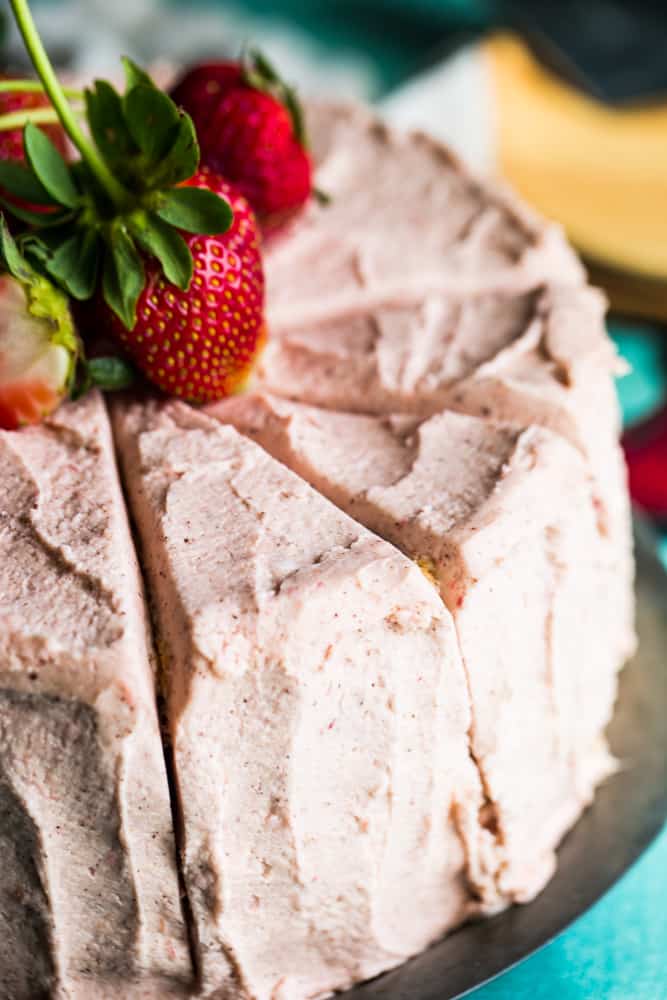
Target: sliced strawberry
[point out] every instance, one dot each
(39, 348)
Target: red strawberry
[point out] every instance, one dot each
(11, 142)
(250, 139)
(200, 344)
(39, 348)
(201, 89)
(250, 130)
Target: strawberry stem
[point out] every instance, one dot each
(56, 95)
(38, 116)
(34, 87)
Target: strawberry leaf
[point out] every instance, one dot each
(104, 110)
(73, 264)
(123, 276)
(261, 65)
(10, 255)
(195, 210)
(38, 219)
(134, 75)
(20, 182)
(293, 105)
(111, 374)
(182, 160)
(152, 119)
(49, 166)
(108, 374)
(167, 245)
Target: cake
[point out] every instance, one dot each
(479, 506)
(317, 712)
(386, 594)
(89, 895)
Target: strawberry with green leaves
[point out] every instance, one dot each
(251, 130)
(200, 344)
(131, 230)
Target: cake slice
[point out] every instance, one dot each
(503, 521)
(89, 895)
(318, 713)
(541, 357)
(403, 219)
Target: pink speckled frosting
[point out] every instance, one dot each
(318, 714)
(84, 779)
(390, 589)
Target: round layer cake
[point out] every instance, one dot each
(383, 597)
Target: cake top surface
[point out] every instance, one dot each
(413, 358)
(451, 481)
(280, 549)
(404, 219)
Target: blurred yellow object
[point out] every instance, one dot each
(599, 170)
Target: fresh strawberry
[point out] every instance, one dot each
(39, 348)
(250, 139)
(200, 344)
(166, 253)
(250, 129)
(202, 88)
(11, 141)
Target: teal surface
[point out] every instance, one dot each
(644, 388)
(614, 952)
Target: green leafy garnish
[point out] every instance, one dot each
(121, 200)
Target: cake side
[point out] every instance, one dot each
(318, 713)
(503, 518)
(92, 875)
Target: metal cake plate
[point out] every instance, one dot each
(627, 814)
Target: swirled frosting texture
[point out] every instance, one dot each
(371, 737)
(318, 713)
(503, 519)
(89, 893)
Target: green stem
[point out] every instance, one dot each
(38, 116)
(45, 72)
(34, 87)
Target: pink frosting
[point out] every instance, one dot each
(318, 714)
(501, 517)
(89, 898)
(404, 220)
(373, 736)
(539, 357)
